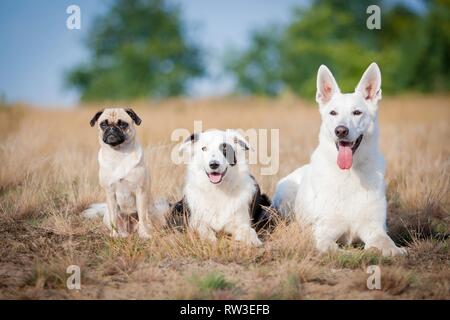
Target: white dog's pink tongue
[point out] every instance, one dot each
(345, 157)
(215, 177)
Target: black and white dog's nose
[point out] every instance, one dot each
(341, 132)
(214, 164)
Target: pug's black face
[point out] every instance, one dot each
(114, 134)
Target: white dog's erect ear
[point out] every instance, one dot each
(326, 85)
(189, 141)
(370, 84)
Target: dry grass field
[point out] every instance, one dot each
(48, 175)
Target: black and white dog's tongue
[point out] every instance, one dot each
(215, 177)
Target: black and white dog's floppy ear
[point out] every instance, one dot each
(242, 143)
(95, 118)
(192, 138)
(133, 116)
(239, 140)
(189, 141)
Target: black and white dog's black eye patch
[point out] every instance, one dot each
(229, 153)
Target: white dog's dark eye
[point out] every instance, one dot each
(204, 148)
(357, 113)
(333, 113)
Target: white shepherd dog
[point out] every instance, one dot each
(341, 192)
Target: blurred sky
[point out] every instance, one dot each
(36, 48)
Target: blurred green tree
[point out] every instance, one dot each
(412, 48)
(264, 51)
(139, 49)
(431, 68)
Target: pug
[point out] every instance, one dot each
(123, 174)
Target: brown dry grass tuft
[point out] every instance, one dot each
(49, 175)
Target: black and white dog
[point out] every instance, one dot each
(219, 193)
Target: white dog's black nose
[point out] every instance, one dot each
(214, 164)
(341, 132)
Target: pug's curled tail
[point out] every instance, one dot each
(95, 210)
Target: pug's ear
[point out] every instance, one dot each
(133, 116)
(189, 141)
(95, 118)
